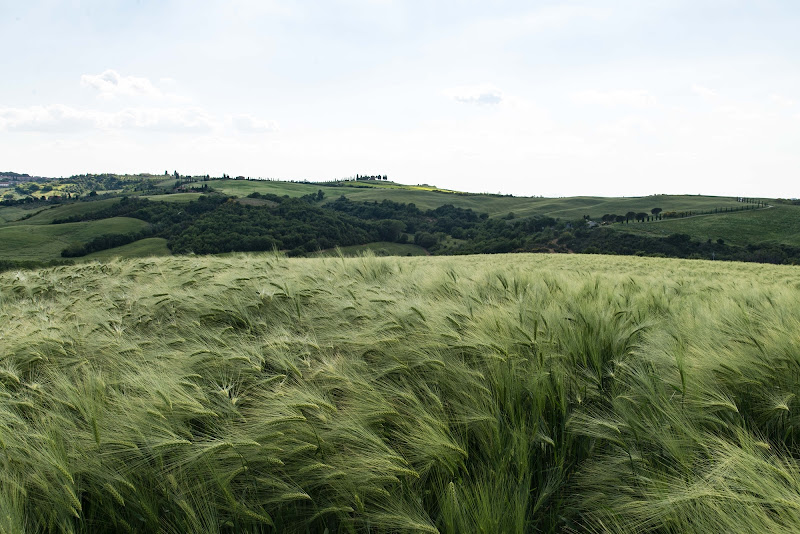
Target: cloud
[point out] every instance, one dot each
(161, 119)
(782, 100)
(248, 124)
(481, 95)
(111, 85)
(55, 118)
(634, 98)
(704, 91)
(60, 118)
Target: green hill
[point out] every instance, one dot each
(304, 218)
(494, 205)
(46, 241)
(46, 215)
(777, 224)
(149, 246)
(506, 393)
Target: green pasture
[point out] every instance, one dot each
(48, 214)
(242, 188)
(46, 241)
(173, 197)
(777, 224)
(380, 248)
(150, 246)
(14, 213)
(565, 208)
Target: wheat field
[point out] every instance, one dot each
(514, 393)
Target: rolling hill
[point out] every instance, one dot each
(30, 232)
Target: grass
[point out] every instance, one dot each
(14, 213)
(429, 198)
(174, 197)
(48, 214)
(151, 246)
(242, 188)
(517, 393)
(778, 224)
(379, 248)
(46, 241)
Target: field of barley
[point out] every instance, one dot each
(507, 393)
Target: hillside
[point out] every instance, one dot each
(515, 393)
(195, 214)
(494, 205)
(778, 224)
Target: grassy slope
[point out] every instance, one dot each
(380, 248)
(150, 246)
(569, 208)
(45, 241)
(779, 224)
(62, 211)
(242, 188)
(174, 197)
(13, 213)
(512, 393)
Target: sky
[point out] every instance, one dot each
(536, 98)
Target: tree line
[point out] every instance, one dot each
(215, 223)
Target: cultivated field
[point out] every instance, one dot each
(516, 393)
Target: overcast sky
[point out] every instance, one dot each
(592, 97)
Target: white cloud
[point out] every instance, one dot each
(704, 91)
(782, 100)
(110, 85)
(634, 98)
(481, 95)
(248, 124)
(60, 118)
(163, 119)
(55, 118)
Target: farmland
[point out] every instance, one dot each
(46, 241)
(494, 205)
(305, 218)
(778, 224)
(514, 393)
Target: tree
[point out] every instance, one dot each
(391, 229)
(425, 239)
(630, 215)
(655, 212)
(641, 216)
(620, 218)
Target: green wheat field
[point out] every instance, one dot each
(513, 393)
